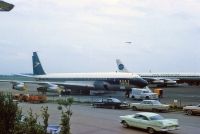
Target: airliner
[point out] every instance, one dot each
(165, 79)
(108, 81)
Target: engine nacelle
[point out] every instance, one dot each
(171, 82)
(19, 86)
(158, 81)
(51, 88)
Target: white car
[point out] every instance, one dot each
(151, 122)
(152, 105)
(190, 110)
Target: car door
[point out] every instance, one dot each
(141, 121)
(109, 103)
(145, 105)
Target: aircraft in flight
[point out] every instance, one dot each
(54, 82)
(4, 6)
(165, 79)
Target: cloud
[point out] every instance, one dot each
(95, 31)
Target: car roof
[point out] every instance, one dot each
(147, 114)
(112, 98)
(150, 100)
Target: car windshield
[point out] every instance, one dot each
(145, 91)
(156, 117)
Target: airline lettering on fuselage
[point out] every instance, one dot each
(123, 84)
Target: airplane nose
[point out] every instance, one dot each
(144, 83)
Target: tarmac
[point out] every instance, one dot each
(89, 120)
(184, 94)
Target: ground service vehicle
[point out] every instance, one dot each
(192, 109)
(152, 105)
(110, 103)
(151, 122)
(144, 93)
(30, 98)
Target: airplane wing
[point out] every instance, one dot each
(74, 84)
(161, 80)
(67, 84)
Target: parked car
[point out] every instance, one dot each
(153, 105)
(53, 129)
(190, 110)
(110, 103)
(151, 122)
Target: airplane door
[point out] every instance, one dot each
(124, 84)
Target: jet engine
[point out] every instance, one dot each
(52, 88)
(158, 81)
(170, 82)
(19, 86)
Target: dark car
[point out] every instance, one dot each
(110, 103)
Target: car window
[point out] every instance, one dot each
(144, 102)
(145, 91)
(109, 100)
(156, 102)
(115, 100)
(156, 117)
(141, 117)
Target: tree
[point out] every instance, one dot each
(45, 117)
(8, 110)
(66, 115)
(29, 125)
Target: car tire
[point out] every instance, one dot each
(147, 98)
(154, 110)
(125, 124)
(150, 130)
(113, 107)
(134, 108)
(189, 112)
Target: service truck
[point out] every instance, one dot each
(143, 93)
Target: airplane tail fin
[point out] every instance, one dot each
(4, 6)
(120, 66)
(37, 66)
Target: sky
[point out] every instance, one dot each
(89, 35)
